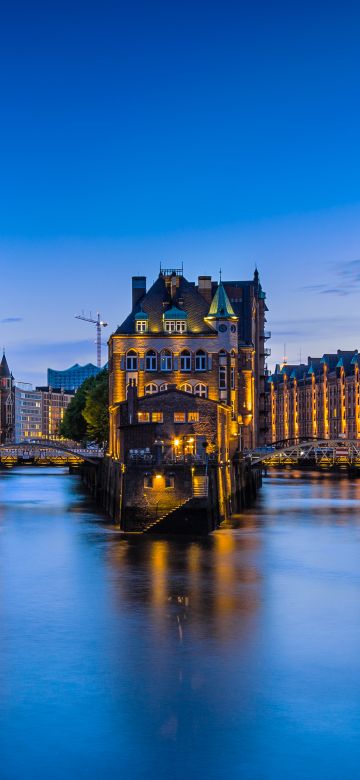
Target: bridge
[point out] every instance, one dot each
(47, 453)
(325, 453)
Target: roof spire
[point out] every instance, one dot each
(4, 368)
(221, 307)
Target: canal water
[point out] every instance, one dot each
(234, 656)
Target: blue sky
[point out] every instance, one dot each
(212, 134)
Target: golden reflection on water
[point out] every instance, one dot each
(191, 582)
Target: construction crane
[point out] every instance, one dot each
(99, 324)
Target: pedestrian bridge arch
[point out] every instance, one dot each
(322, 451)
(48, 449)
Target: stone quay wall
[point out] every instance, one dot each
(123, 496)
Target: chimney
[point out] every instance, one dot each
(138, 289)
(204, 287)
(132, 401)
(174, 283)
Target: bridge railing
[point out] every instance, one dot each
(336, 450)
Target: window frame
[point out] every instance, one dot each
(203, 390)
(185, 360)
(222, 377)
(200, 360)
(179, 422)
(151, 356)
(132, 360)
(166, 361)
(184, 385)
(152, 391)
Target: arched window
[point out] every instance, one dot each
(131, 360)
(151, 360)
(163, 387)
(166, 362)
(200, 360)
(185, 360)
(222, 353)
(151, 388)
(186, 388)
(201, 390)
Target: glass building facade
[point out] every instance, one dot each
(71, 378)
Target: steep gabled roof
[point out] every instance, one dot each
(157, 301)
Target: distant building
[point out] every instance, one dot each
(54, 403)
(71, 378)
(319, 399)
(39, 412)
(7, 403)
(28, 414)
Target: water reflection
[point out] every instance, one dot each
(234, 655)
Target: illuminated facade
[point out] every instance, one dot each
(39, 412)
(207, 340)
(54, 402)
(28, 417)
(319, 399)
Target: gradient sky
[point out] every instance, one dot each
(213, 134)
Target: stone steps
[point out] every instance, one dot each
(158, 520)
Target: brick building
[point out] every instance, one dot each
(174, 448)
(319, 399)
(206, 339)
(7, 403)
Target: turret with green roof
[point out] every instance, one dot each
(221, 308)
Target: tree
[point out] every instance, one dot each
(86, 417)
(96, 411)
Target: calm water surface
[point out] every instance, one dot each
(235, 656)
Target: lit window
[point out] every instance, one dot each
(143, 417)
(179, 417)
(141, 326)
(185, 360)
(186, 388)
(200, 360)
(151, 388)
(200, 390)
(166, 360)
(157, 417)
(175, 326)
(193, 416)
(151, 360)
(131, 361)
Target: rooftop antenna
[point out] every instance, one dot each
(99, 324)
(285, 358)
(220, 274)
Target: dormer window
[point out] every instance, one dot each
(141, 322)
(175, 326)
(174, 320)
